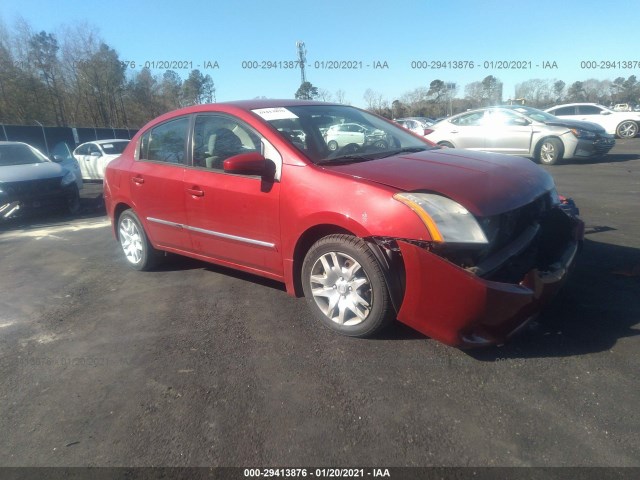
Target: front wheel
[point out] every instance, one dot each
(137, 249)
(333, 145)
(550, 151)
(345, 287)
(627, 129)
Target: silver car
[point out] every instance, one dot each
(524, 131)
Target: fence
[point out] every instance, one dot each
(52, 140)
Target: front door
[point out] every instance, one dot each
(231, 218)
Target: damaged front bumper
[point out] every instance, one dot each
(460, 308)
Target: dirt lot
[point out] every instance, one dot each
(196, 365)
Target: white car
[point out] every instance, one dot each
(417, 125)
(93, 157)
(343, 134)
(622, 124)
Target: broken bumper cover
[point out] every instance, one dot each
(456, 307)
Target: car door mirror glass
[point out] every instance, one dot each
(95, 154)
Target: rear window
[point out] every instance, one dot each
(114, 148)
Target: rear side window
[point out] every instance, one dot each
(564, 111)
(588, 110)
(166, 142)
(470, 119)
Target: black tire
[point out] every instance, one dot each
(73, 202)
(627, 129)
(135, 244)
(332, 145)
(550, 151)
(349, 285)
(446, 144)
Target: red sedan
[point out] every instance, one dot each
(463, 246)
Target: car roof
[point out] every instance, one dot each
(576, 104)
(108, 140)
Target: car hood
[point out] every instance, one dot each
(485, 184)
(31, 171)
(590, 126)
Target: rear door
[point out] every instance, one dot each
(157, 189)
(507, 132)
(466, 131)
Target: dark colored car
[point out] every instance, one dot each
(463, 246)
(30, 182)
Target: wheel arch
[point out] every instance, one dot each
(117, 211)
(392, 268)
(304, 243)
(536, 150)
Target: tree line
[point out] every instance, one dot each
(441, 98)
(76, 79)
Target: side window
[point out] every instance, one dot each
(166, 142)
(218, 137)
(588, 110)
(83, 150)
(94, 149)
(564, 111)
(471, 119)
(499, 117)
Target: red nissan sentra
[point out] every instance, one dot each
(368, 221)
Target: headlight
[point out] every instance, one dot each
(579, 133)
(446, 220)
(68, 179)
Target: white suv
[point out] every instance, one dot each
(622, 124)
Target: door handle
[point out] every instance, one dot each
(196, 192)
(454, 131)
(138, 180)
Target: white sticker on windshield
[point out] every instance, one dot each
(276, 113)
(107, 145)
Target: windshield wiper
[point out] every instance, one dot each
(345, 159)
(405, 150)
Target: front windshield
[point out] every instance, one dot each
(19, 154)
(327, 133)
(114, 148)
(536, 114)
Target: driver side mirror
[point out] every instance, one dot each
(252, 163)
(95, 154)
(57, 158)
(522, 122)
(605, 112)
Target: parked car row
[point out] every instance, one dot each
(624, 124)
(524, 131)
(30, 181)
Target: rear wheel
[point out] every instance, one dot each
(333, 145)
(137, 249)
(550, 151)
(345, 287)
(627, 129)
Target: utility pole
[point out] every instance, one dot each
(302, 59)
